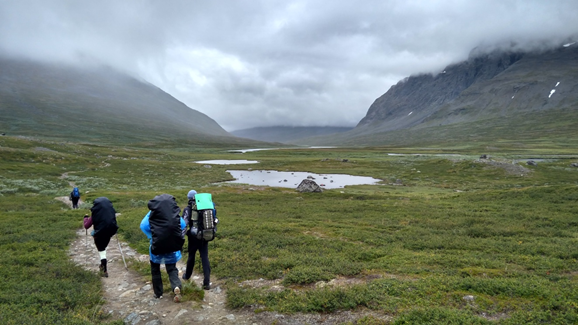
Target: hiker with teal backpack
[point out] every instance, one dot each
(165, 229)
(201, 218)
(74, 197)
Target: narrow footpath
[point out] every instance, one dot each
(129, 296)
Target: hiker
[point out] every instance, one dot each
(165, 228)
(103, 219)
(190, 214)
(74, 197)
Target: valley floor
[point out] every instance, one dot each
(129, 297)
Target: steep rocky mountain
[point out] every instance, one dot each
(413, 99)
(489, 88)
(95, 104)
(287, 134)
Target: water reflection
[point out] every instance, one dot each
(293, 179)
(227, 162)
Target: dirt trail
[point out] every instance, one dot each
(129, 296)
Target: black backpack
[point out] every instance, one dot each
(165, 224)
(103, 217)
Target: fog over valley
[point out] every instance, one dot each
(291, 63)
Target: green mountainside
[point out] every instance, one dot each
(504, 96)
(97, 105)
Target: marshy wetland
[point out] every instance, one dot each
(441, 240)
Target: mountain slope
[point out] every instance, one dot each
(95, 104)
(287, 134)
(490, 89)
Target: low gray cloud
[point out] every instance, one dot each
(264, 63)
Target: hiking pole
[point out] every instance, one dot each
(121, 254)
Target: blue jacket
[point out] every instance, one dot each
(169, 258)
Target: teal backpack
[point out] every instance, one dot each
(203, 213)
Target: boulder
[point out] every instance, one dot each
(531, 163)
(308, 185)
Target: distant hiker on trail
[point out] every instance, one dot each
(201, 217)
(165, 228)
(74, 197)
(103, 219)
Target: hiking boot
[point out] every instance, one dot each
(103, 271)
(177, 292)
(206, 286)
(158, 297)
(185, 277)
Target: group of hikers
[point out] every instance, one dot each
(166, 229)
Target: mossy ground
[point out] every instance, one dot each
(456, 227)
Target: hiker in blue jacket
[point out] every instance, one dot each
(74, 197)
(166, 251)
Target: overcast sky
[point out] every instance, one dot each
(248, 63)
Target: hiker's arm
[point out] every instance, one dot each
(186, 212)
(145, 226)
(87, 221)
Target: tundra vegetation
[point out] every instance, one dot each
(459, 240)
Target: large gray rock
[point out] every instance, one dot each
(308, 185)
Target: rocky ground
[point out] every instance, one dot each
(129, 296)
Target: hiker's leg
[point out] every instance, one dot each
(190, 259)
(103, 263)
(204, 252)
(157, 279)
(173, 275)
(101, 242)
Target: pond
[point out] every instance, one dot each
(227, 162)
(261, 149)
(293, 179)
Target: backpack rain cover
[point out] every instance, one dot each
(103, 217)
(165, 224)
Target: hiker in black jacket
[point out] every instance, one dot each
(103, 219)
(196, 244)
